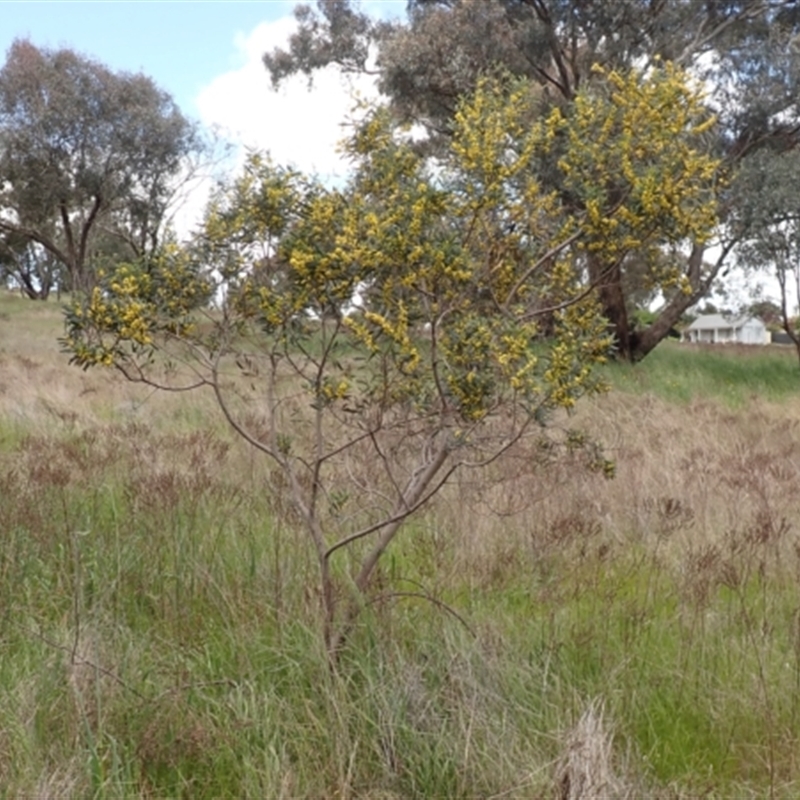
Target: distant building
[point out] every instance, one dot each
(721, 329)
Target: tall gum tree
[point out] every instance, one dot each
(28, 265)
(745, 51)
(769, 226)
(87, 157)
(372, 341)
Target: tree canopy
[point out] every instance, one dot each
(88, 158)
(390, 330)
(745, 52)
(769, 226)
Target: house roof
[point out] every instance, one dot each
(707, 322)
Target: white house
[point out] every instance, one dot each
(718, 328)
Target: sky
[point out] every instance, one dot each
(207, 55)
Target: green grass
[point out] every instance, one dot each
(735, 375)
(159, 638)
(159, 619)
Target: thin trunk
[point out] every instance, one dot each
(34, 235)
(564, 82)
(72, 256)
(788, 328)
(411, 496)
(85, 231)
(26, 284)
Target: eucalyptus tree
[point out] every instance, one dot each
(768, 223)
(746, 52)
(87, 156)
(29, 266)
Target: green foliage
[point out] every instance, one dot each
(475, 251)
(90, 160)
(645, 161)
(769, 225)
(28, 265)
(135, 304)
(768, 311)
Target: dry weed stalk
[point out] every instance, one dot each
(59, 783)
(585, 771)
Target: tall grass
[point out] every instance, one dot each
(733, 374)
(160, 627)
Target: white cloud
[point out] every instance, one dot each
(299, 127)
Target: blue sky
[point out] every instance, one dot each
(182, 45)
(208, 56)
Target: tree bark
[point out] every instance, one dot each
(633, 345)
(608, 280)
(28, 287)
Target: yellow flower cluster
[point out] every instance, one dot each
(636, 163)
(133, 305)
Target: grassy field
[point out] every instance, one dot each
(159, 634)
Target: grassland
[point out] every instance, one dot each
(159, 634)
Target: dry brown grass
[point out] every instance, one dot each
(692, 482)
(687, 480)
(684, 474)
(707, 492)
(39, 391)
(586, 771)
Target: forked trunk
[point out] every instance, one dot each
(641, 342)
